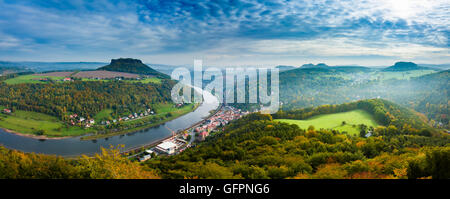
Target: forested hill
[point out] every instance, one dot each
(434, 99)
(132, 66)
(326, 69)
(85, 98)
(285, 68)
(320, 65)
(442, 76)
(256, 147)
(419, 90)
(385, 112)
(107, 165)
(406, 66)
(4, 70)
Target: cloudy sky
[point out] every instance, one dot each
(227, 32)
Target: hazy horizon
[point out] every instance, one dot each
(191, 65)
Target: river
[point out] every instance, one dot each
(74, 146)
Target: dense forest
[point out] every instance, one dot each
(107, 165)
(85, 98)
(256, 147)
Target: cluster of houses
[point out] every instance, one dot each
(135, 116)
(7, 111)
(174, 144)
(75, 119)
(221, 118)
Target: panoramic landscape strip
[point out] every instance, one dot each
(225, 98)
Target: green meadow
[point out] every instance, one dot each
(23, 79)
(105, 114)
(154, 80)
(163, 109)
(160, 109)
(334, 121)
(30, 79)
(29, 122)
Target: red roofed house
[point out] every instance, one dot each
(202, 136)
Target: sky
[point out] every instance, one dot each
(227, 32)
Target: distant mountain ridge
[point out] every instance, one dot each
(6, 69)
(319, 65)
(322, 67)
(131, 65)
(437, 66)
(52, 66)
(285, 68)
(406, 66)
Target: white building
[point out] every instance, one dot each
(167, 147)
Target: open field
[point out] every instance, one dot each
(102, 74)
(163, 109)
(148, 80)
(154, 80)
(84, 75)
(105, 114)
(28, 122)
(160, 109)
(334, 121)
(34, 78)
(56, 74)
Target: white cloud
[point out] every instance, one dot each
(397, 29)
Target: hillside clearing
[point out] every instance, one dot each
(334, 121)
(35, 78)
(29, 122)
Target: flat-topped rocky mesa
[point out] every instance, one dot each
(130, 65)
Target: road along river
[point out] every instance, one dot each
(74, 146)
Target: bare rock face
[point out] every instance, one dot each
(130, 61)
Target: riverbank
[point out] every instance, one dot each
(73, 146)
(138, 149)
(38, 125)
(26, 123)
(150, 125)
(38, 137)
